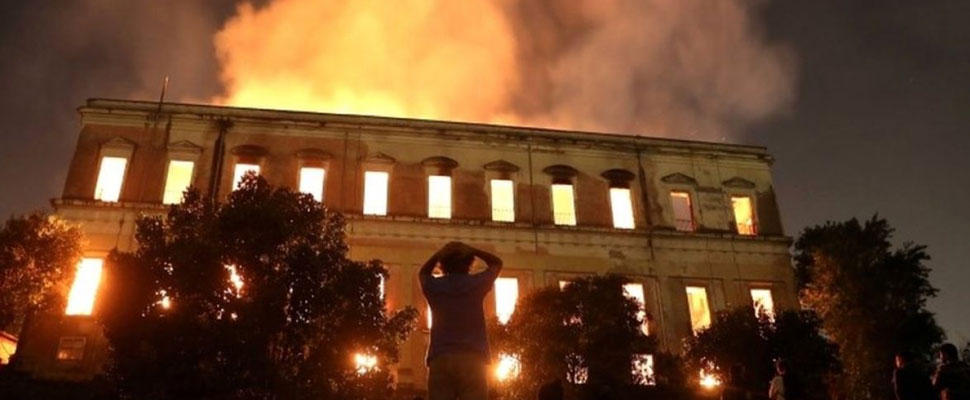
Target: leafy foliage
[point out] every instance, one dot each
(870, 296)
(589, 326)
(291, 328)
(38, 255)
(746, 345)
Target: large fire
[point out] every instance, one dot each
(401, 58)
(677, 68)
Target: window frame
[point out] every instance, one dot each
(710, 306)
(755, 229)
(691, 198)
(168, 170)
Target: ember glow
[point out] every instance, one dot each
(675, 68)
(708, 380)
(365, 363)
(235, 280)
(507, 368)
(80, 301)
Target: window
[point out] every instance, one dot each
(241, 170)
(506, 296)
(179, 178)
(643, 372)
(622, 206)
(635, 292)
(8, 346)
(683, 212)
(375, 193)
(763, 303)
(71, 348)
(700, 312)
(311, 181)
(439, 196)
(743, 215)
(503, 200)
(576, 372)
(563, 207)
(111, 175)
(80, 300)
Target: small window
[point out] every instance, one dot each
(375, 192)
(178, 180)
(700, 312)
(111, 175)
(635, 292)
(643, 371)
(683, 211)
(71, 348)
(743, 215)
(506, 296)
(80, 300)
(622, 205)
(311, 181)
(439, 196)
(241, 170)
(503, 200)
(563, 205)
(763, 303)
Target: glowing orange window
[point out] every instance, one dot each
(683, 211)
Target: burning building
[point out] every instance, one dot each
(693, 225)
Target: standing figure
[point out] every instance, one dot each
(909, 382)
(458, 355)
(952, 377)
(779, 384)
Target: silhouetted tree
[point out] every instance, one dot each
(871, 298)
(740, 341)
(38, 255)
(588, 328)
(260, 302)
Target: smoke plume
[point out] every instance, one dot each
(687, 68)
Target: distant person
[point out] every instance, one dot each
(551, 391)
(952, 377)
(458, 355)
(909, 382)
(785, 385)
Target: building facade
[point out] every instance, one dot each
(694, 226)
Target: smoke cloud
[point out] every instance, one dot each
(688, 68)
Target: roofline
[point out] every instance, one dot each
(408, 123)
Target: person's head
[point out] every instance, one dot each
(781, 366)
(456, 259)
(903, 358)
(949, 353)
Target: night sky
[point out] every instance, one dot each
(880, 122)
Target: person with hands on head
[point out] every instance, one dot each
(458, 355)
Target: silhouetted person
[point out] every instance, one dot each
(785, 385)
(458, 355)
(952, 377)
(909, 382)
(551, 391)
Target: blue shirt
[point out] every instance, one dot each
(457, 316)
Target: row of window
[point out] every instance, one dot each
(506, 292)
(311, 180)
